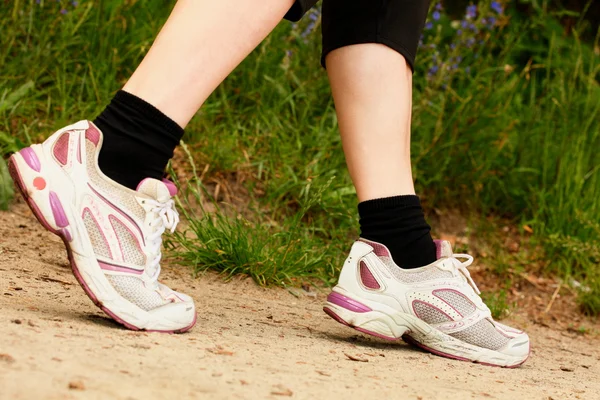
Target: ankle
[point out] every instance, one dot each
(398, 222)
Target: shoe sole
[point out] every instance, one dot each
(357, 315)
(31, 161)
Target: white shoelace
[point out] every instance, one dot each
(166, 218)
(462, 267)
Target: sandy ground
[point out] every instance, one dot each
(249, 343)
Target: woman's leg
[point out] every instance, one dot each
(369, 48)
(372, 89)
(113, 233)
(200, 44)
(371, 85)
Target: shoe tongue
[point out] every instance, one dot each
(160, 191)
(443, 249)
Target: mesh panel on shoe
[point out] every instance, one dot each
(98, 241)
(132, 253)
(367, 277)
(482, 334)
(458, 301)
(411, 276)
(61, 148)
(133, 289)
(125, 200)
(429, 314)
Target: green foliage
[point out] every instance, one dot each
(589, 297)
(509, 126)
(498, 304)
(266, 251)
(6, 186)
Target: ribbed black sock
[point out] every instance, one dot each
(399, 223)
(138, 140)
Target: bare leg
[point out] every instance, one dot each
(201, 43)
(372, 89)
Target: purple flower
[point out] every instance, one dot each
(429, 25)
(436, 15)
(309, 29)
(459, 32)
(75, 3)
(468, 70)
(472, 11)
(496, 6)
(433, 70)
(438, 7)
(63, 11)
(491, 22)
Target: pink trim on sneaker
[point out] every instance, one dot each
(117, 268)
(120, 212)
(61, 148)
(367, 278)
(31, 159)
(379, 249)
(171, 186)
(368, 332)
(458, 293)
(66, 235)
(438, 248)
(79, 151)
(93, 134)
(347, 303)
(432, 306)
(58, 212)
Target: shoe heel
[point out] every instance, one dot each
(26, 171)
(357, 315)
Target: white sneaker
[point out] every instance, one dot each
(112, 234)
(436, 307)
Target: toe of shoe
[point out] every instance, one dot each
(518, 346)
(176, 316)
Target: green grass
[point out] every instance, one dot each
(519, 142)
(498, 304)
(260, 248)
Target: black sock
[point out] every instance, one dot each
(399, 223)
(138, 140)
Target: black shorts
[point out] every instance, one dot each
(395, 23)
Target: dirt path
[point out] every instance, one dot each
(249, 343)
